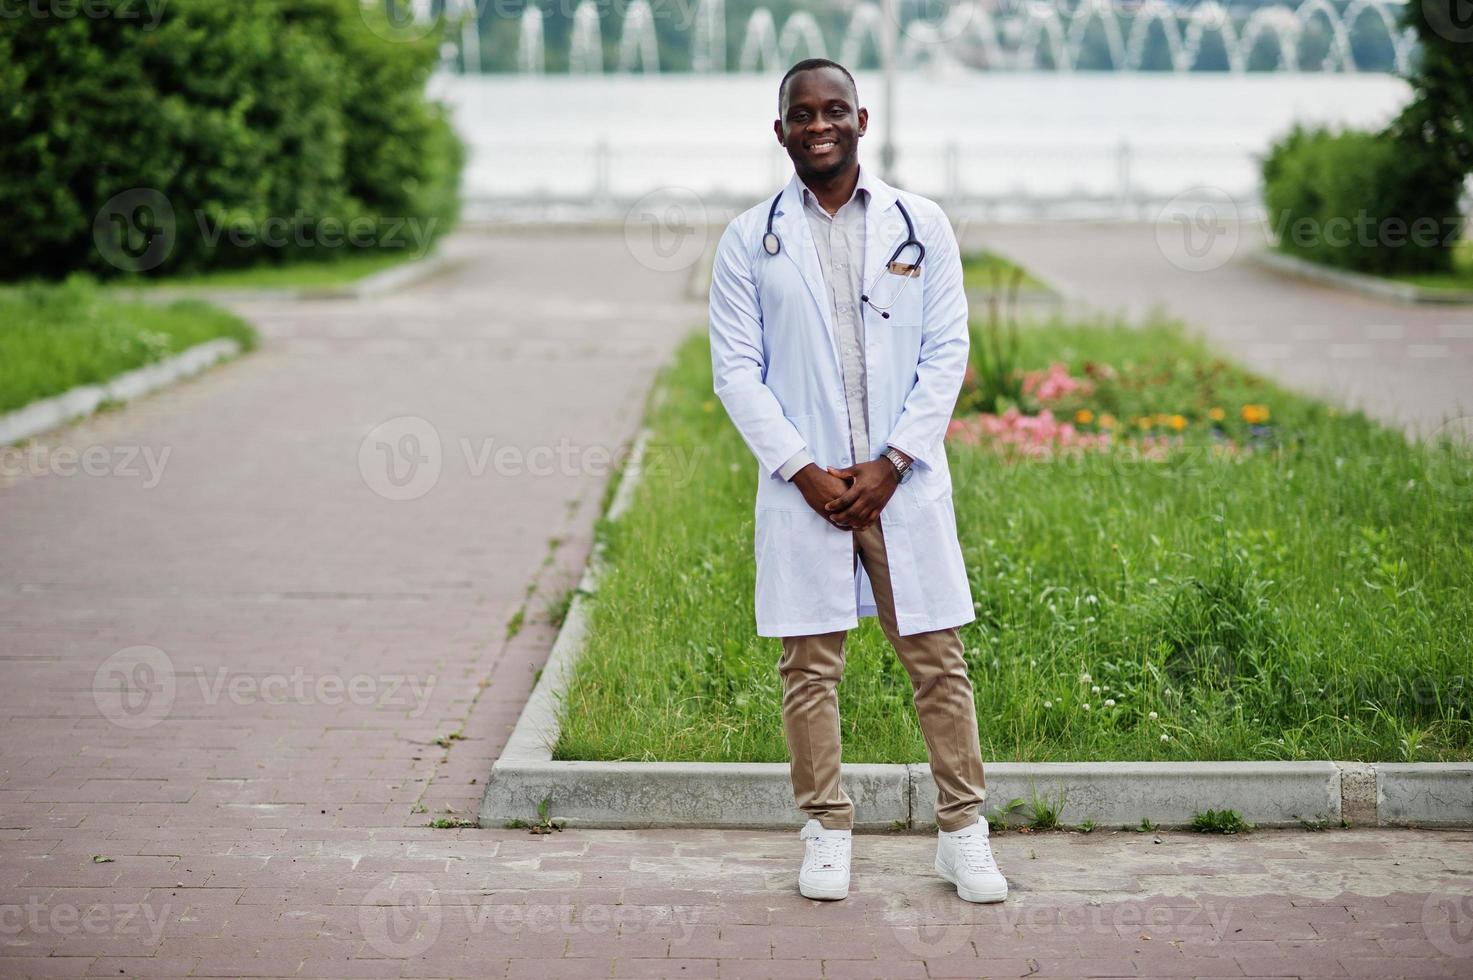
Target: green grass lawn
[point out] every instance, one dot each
(984, 272)
(1461, 278)
(1309, 599)
(56, 337)
(338, 272)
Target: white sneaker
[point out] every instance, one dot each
(825, 871)
(964, 858)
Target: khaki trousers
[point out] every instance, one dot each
(811, 667)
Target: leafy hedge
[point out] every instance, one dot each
(275, 131)
(1345, 199)
(1386, 202)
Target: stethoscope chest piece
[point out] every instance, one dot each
(771, 244)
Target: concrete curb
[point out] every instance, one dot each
(1400, 292)
(49, 413)
(376, 284)
(896, 796)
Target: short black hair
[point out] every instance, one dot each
(808, 64)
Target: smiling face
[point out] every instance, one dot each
(821, 123)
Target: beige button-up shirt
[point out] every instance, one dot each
(839, 238)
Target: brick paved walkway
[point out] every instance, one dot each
(265, 814)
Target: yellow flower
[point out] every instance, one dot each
(1084, 416)
(1255, 414)
(1142, 421)
(1107, 421)
(1178, 422)
(1216, 414)
(708, 406)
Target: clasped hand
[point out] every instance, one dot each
(850, 498)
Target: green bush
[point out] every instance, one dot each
(1345, 199)
(275, 131)
(1386, 203)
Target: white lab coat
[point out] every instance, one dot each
(777, 372)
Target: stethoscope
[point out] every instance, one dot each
(773, 245)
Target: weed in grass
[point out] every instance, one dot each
(557, 610)
(1220, 822)
(1045, 812)
(451, 823)
(1145, 827)
(999, 818)
(1087, 826)
(544, 825)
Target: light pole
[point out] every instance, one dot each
(887, 58)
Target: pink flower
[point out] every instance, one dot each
(1054, 383)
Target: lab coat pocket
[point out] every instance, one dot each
(905, 296)
(775, 493)
(805, 574)
(930, 483)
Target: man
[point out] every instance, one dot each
(839, 355)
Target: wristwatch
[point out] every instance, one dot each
(900, 462)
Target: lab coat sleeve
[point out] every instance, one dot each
(799, 460)
(738, 361)
(920, 432)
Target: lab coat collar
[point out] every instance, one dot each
(880, 215)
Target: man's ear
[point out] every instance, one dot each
(777, 129)
(863, 120)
